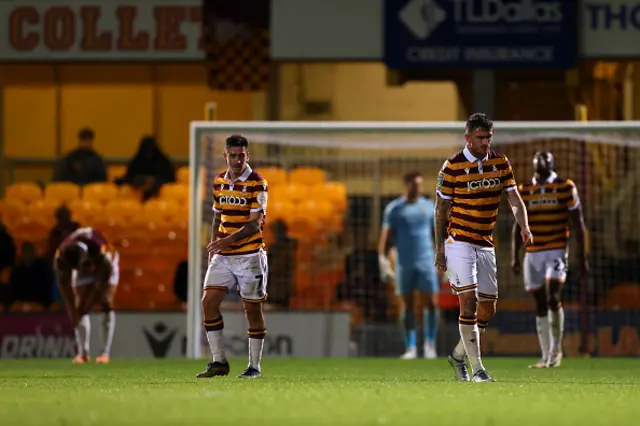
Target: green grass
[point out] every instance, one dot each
(319, 392)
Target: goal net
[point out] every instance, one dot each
(328, 185)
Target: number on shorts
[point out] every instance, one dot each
(260, 289)
(560, 266)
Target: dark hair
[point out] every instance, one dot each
(238, 141)
(86, 134)
(71, 255)
(410, 177)
(479, 120)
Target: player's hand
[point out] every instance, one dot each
(584, 267)
(218, 245)
(527, 238)
(441, 260)
(516, 267)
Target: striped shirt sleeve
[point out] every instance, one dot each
(217, 207)
(574, 202)
(509, 179)
(445, 184)
(260, 197)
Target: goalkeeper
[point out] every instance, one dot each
(409, 219)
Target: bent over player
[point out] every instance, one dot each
(469, 187)
(551, 203)
(237, 256)
(87, 273)
(409, 219)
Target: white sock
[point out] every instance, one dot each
(556, 323)
(256, 343)
(470, 337)
(108, 328)
(216, 339)
(83, 334)
(459, 352)
(255, 352)
(544, 335)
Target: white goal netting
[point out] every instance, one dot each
(330, 181)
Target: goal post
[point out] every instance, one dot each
(368, 159)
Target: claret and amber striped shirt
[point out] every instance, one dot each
(235, 201)
(548, 206)
(474, 187)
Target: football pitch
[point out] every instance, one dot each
(319, 392)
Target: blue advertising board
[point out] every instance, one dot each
(473, 34)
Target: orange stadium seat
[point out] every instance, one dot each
(307, 175)
(128, 192)
(336, 192)
(101, 193)
(123, 211)
(175, 192)
(86, 211)
(12, 211)
(62, 192)
(44, 211)
(27, 192)
(161, 213)
(27, 228)
(289, 192)
(278, 209)
(116, 171)
(275, 176)
(182, 175)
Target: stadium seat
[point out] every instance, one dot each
(162, 214)
(289, 193)
(128, 192)
(175, 192)
(27, 192)
(182, 175)
(29, 229)
(101, 193)
(116, 171)
(86, 211)
(278, 209)
(123, 211)
(62, 192)
(307, 175)
(275, 176)
(12, 211)
(44, 211)
(336, 192)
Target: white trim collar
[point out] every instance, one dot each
(244, 176)
(550, 179)
(472, 158)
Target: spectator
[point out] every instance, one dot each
(82, 165)
(362, 280)
(32, 278)
(149, 169)
(281, 258)
(7, 260)
(64, 226)
(180, 283)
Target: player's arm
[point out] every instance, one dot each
(577, 221)
(383, 253)
(215, 225)
(63, 280)
(445, 189)
(516, 245)
(517, 205)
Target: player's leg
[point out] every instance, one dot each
(462, 271)
(405, 289)
(217, 282)
(83, 290)
(534, 280)
(109, 319)
(428, 287)
(252, 275)
(556, 276)
(108, 323)
(487, 298)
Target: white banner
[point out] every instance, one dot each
(163, 335)
(611, 29)
(100, 30)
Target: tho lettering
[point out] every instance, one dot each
(607, 16)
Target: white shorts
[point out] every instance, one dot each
(80, 280)
(471, 268)
(248, 273)
(541, 267)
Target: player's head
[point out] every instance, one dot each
(73, 256)
(543, 163)
(236, 152)
(478, 133)
(413, 184)
(85, 138)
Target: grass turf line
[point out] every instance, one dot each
(353, 391)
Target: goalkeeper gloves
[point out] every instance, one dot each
(386, 273)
